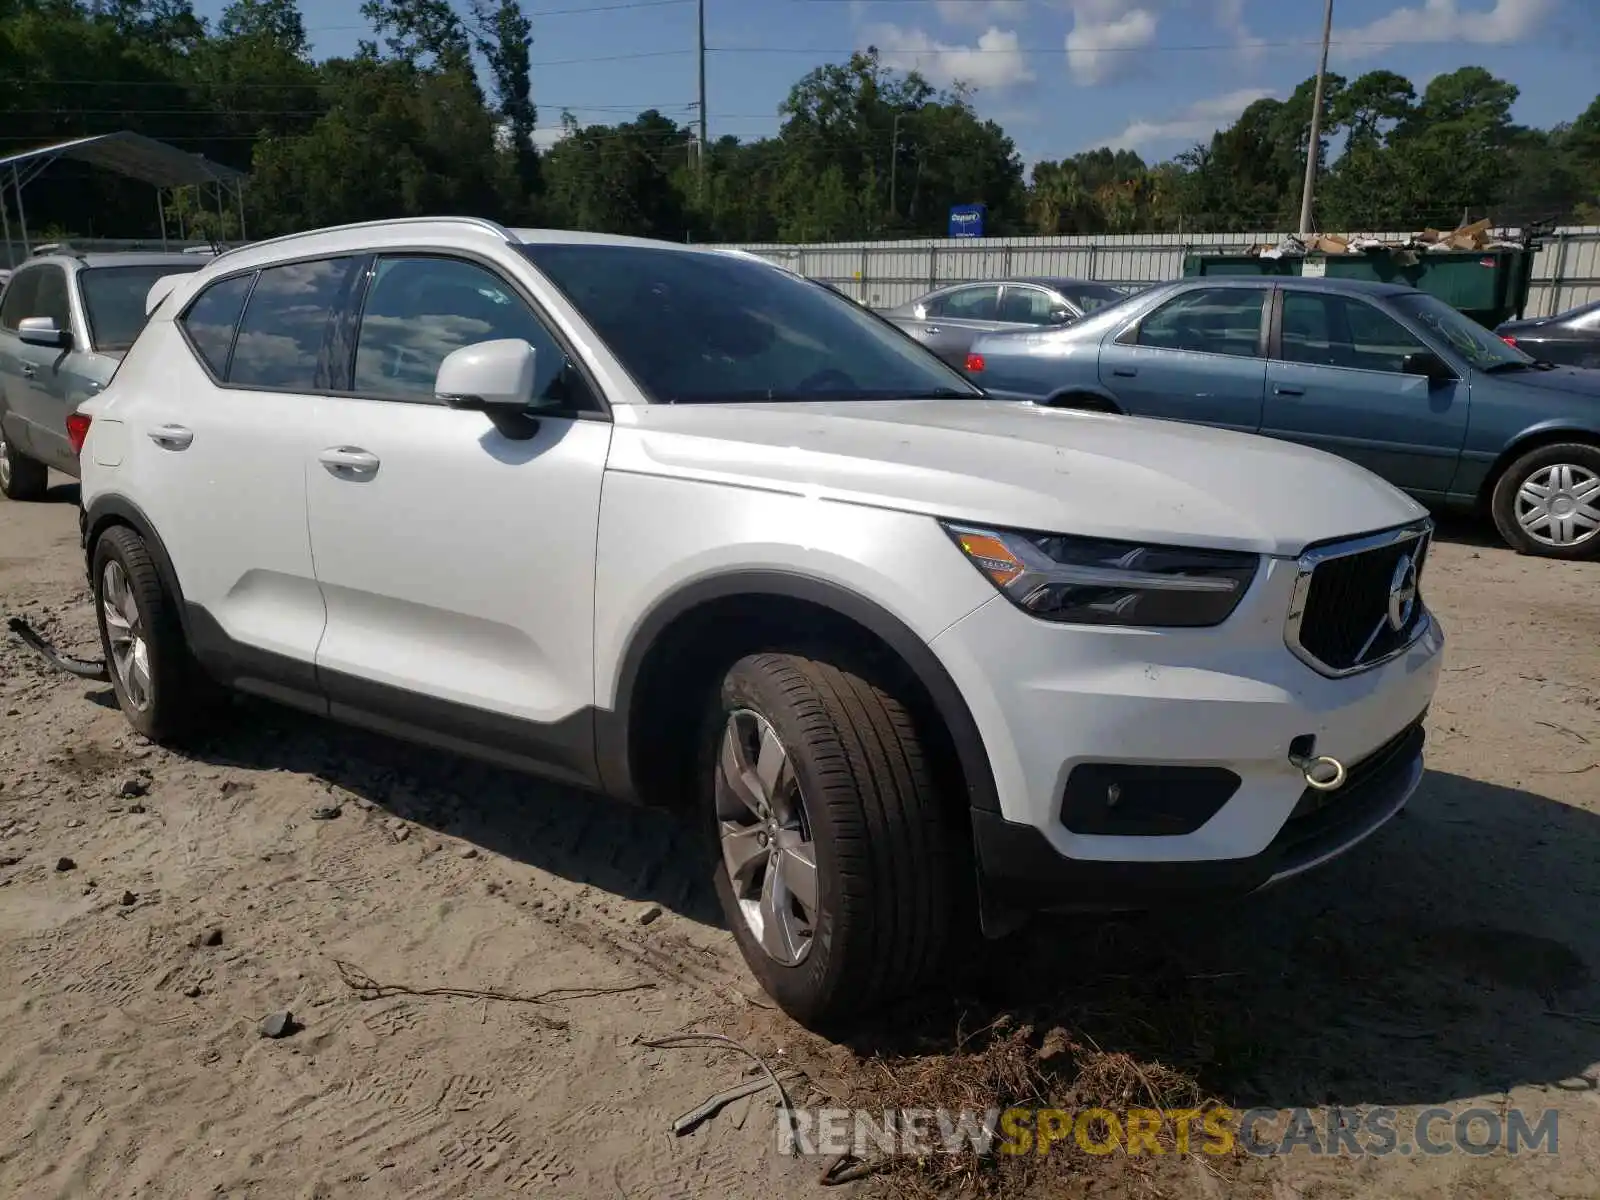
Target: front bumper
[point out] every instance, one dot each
(1021, 869)
(1231, 701)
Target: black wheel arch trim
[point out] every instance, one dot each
(112, 509)
(612, 734)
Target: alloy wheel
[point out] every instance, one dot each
(765, 834)
(5, 463)
(1559, 505)
(130, 651)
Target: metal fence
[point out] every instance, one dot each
(1566, 271)
(883, 274)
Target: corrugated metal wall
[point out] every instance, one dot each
(884, 274)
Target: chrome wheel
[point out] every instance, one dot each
(5, 463)
(1559, 505)
(130, 652)
(767, 848)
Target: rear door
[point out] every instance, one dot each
(38, 380)
(955, 319)
(1199, 356)
(457, 557)
(1336, 382)
(221, 449)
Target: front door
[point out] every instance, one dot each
(1336, 382)
(457, 562)
(37, 377)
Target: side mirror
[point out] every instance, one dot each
(1060, 316)
(41, 331)
(488, 377)
(1426, 363)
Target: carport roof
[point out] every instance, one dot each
(134, 155)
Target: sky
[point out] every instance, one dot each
(1061, 76)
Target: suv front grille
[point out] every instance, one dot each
(1358, 603)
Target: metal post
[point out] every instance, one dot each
(238, 192)
(894, 162)
(1315, 141)
(222, 220)
(161, 214)
(702, 162)
(22, 214)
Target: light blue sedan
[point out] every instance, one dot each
(1382, 374)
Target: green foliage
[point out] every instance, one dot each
(436, 113)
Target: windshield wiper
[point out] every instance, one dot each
(1509, 366)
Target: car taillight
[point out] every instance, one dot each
(974, 362)
(77, 430)
(1508, 339)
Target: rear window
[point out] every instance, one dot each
(113, 300)
(212, 318)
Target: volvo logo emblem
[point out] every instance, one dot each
(1402, 593)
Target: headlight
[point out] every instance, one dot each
(1092, 581)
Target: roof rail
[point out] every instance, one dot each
(483, 223)
(55, 248)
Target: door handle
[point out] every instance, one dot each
(1125, 372)
(28, 371)
(932, 329)
(349, 462)
(172, 437)
(1281, 390)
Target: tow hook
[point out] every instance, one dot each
(1322, 772)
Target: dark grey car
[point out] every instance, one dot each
(65, 322)
(949, 319)
(1571, 338)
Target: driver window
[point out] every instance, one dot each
(1031, 306)
(971, 304)
(419, 309)
(51, 300)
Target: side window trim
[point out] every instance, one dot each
(599, 409)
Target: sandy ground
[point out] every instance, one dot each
(1451, 961)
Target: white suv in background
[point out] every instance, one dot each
(682, 527)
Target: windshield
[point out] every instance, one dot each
(1481, 347)
(695, 327)
(113, 299)
(1091, 297)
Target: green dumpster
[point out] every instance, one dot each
(1489, 286)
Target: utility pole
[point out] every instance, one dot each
(1315, 142)
(894, 161)
(702, 163)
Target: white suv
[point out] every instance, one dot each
(682, 527)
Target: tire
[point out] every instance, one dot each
(21, 478)
(160, 688)
(885, 852)
(1572, 470)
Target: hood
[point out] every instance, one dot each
(1573, 381)
(1019, 465)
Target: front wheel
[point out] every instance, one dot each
(1548, 502)
(837, 865)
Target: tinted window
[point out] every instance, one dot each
(1337, 331)
(19, 297)
(694, 327)
(970, 304)
(51, 300)
(286, 324)
(1032, 306)
(212, 318)
(1091, 297)
(113, 300)
(1210, 320)
(420, 309)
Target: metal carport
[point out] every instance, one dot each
(130, 154)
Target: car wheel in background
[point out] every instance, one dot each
(836, 864)
(21, 478)
(161, 689)
(1548, 502)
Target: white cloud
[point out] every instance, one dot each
(1230, 16)
(1499, 24)
(1194, 123)
(980, 12)
(995, 62)
(547, 136)
(1104, 37)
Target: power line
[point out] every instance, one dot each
(582, 11)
